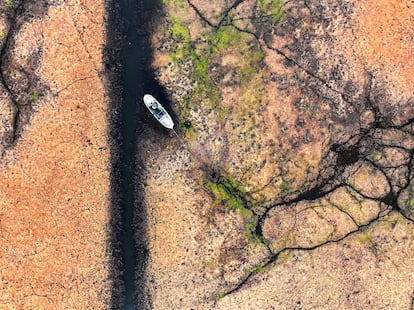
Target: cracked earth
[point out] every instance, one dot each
(295, 188)
(54, 188)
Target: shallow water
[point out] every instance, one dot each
(135, 123)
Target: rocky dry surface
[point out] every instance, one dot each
(294, 189)
(54, 188)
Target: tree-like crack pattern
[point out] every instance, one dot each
(10, 15)
(376, 144)
(22, 88)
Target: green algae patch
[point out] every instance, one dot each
(205, 90)
(273, 8)
(258, 269)
(180, 35)
(230, 193)
(183, 51)
(224, 38)
(233, 195)
(206, 54)
(229, 196)
(180, 4)
(220, 295)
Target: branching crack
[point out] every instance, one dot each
(348, 154)
(343, 159)
(12, 28)
(223, 20)
(274, 257)
(21, 85)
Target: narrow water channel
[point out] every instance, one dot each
(128, 61)
(131, 80)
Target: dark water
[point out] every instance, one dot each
(133, 77)
(127, 58)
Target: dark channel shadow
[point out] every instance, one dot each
(127, 58)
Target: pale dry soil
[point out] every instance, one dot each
(314, 123)
(54, 189)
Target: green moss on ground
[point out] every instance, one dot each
(184, 50)
(210, 47)
(258, 269)
(7, 6)
(178, 32)
(273, 8)
(233, 195)
(217, 43)
(35, 96)
(181, 4)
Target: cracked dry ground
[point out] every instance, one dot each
(297, 191)
(54, 178)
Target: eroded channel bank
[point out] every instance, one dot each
(127, 58)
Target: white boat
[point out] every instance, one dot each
(158, 111)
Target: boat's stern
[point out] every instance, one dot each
(167, 121)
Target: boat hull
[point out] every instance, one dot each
(158, 112)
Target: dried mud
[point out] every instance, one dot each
(54, 189)
(294, 187)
